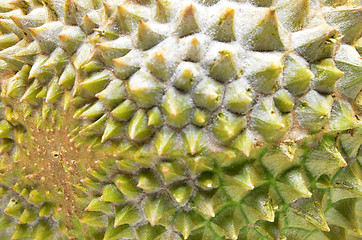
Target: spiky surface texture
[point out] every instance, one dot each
(166, 119)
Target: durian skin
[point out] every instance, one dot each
(164, 119)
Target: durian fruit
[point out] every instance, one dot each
(192, 119)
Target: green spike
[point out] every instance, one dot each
(277, 159)
(347, 183)
(223, 29)
(292, 186)
(161, 63)
(138, 128)
(47, 35)
(5, 221)
(14, 208)
(113, 233)
(28, 54)
(21, 231)
(149, 232)
(194, 139)
(127, 18)
(147, 37)
(265, 36)
(58, 59)
(293, 15)
(126, 66)
(171, 171)
(148, 181)
(10, 26)
(36, 197)
(28, 216)
(185, 76)
(200, 117)
(268, 121)
(112, 129)
(114, 49)
(238, 181)
(16, 86)
(92, 66)
(238, 96)
(208, 94)
(223, 67)
(323, 182)
(283, 100)
(154, 117)
(82, 55)
(39, 72)
(124, 111)
(127, 185)
(244, 142)
(79, 111)
(342, 116)
(349, 62)
(343, 214)
(94, 111)
(187, 222)
(258, 206)
(313, 111)
(45, 111)
(97, 205)
(95, 127)
(8, 40)
(127, 214)
(45, 210)
(90, 22)
(297, 75)
(326, 75)
(94, 219)
(35, 18)
(192, 48)
(113, 94)
(54, 91)
(348, 19)
(5, 129)
(6, 145)
(162, 11)
(68, 77)
(164, 141)
(207, 203)
(335, 232)
(96, 82)
(75, 10)
(111, 194)
(158, 209)
(181, 193)
(228, 222)
(315, 43)
(227, 126)
(187, 23)
(8, 55)
(311, 211)
(145, 89)
(264, 71)
(351, 141)
(71, 37)
(176, 107)
(31, 93)
(208, 180)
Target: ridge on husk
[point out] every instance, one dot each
(192, 119)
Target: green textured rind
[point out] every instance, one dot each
(149, 120)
